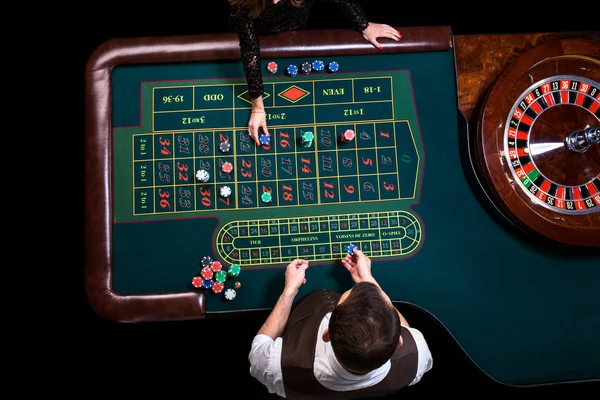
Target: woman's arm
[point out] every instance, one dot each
(250, 52)
(371, 31)
(354, 13)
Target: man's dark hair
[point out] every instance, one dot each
(364, 330)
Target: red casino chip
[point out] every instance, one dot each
(218, 287)
(272, 67)
(347, 136)
(216, 266)
(227, 167)
(206, 273)
(197, 282)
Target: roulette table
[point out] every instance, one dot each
(471, 178)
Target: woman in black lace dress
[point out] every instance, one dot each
(252, 18)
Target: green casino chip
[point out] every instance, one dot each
(221, 276)
(266, 197)
(307, 138)
(234, 270)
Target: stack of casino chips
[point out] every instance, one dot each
(230, 294)
(292, 70)
(213, 276)
(225, 191)
(266, 197)
(225, 147)
(272, 67)
(227, 167)
(234, 270)
(318, 65)
(347, 136)
(202, 175)
(307, 138)
(333, 66)
(306, 68)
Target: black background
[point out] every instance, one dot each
(210, 356)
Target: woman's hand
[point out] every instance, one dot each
(257, 125)
(258, 120)
(375, 31)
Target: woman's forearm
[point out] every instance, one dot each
(257, 104)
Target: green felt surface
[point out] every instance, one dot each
(524, 313)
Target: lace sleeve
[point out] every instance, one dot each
(353, 12)
(250, 51)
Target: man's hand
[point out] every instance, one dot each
(295, 276)
(375, 31)
(359, 267)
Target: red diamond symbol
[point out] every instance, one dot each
(294, 93)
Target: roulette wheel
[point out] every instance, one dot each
(537, 141)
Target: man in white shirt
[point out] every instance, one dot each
(345, 346)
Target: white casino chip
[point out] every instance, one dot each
(202, 175)
(229, 294)
(225, 191)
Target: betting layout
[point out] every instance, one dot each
(334, 141)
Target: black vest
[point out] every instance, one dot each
(298, 354)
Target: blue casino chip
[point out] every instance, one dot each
(292, 70)
(318, 65)
(333, 66)
(265, 139)
(351, 249)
